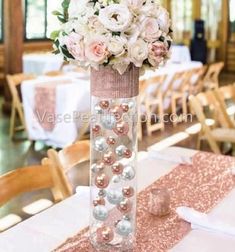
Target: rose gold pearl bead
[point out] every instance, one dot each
(125, 107)
(117, 168)
(102, 181)
(108, 158)
(121, 128)
(104, 234)
(128, 191)
(117, 111)
(99, 201)
(96, 129)
(104, 104)
(125, 206)
(127, 153)
(111, 140)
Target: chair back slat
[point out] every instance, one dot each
(69, 157)
(24, 180)
(177, 81)
(32, 178)
(211, 79)
(198, 109)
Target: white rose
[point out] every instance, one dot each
(138, 52)
(115, 17)
(75, 46)
(76, 6)
(116, 45)
(150, 30)
(132, 33)
(120, 63)
(151, 9)
(135, 5)
(163, 20)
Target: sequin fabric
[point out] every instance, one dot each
(201, 185)
(45, 103)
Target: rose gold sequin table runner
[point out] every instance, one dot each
(45, 103)
(200, 186)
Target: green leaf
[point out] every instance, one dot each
(66, 52)
(65, 4)
(62, 19)
(56, 52)
(57, 43)
(56, 13)
(169, 44)
(54, 35)
(116, 33)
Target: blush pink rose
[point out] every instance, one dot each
(150, 30)
(75, 46)
(96, 51)
(157, 52)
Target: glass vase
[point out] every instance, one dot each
(113, 158)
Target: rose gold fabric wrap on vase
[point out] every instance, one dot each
(108, 83)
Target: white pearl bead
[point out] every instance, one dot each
(124, 228)
(100, 144)
(120, 150)
(108, 121)
(114, 196)
(100, 213)
(128, 173)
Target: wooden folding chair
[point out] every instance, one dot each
(16, 107)
(213, 136)
(70, 156)
(223, 94)
(151, 99)
(211, 79)
(31, 178)
(196, 80)
(177, 90)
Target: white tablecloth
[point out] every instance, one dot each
(49, 229)
(72, 100)
(180, 54)
(41, 63)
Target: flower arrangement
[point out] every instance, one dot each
(113, 32)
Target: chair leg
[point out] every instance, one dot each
(12, 122)
(173, 110)
(21, 116)
(198, 147)
(161, 115)
(184, 104)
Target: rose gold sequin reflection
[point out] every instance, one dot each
(201, 186)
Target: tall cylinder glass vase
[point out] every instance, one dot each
(113, 158)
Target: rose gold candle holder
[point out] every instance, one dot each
(159, 202)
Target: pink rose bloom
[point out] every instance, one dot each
(157, 52)
(96, 51)
(75, 46)
(150, 30)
